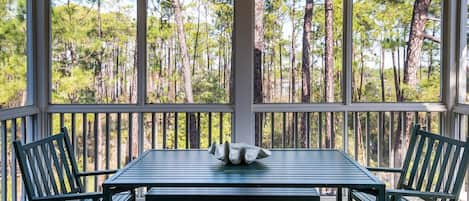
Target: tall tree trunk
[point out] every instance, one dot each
(329, 67)
(399, 65)
(276, 82)
(170, 72)
(305, 69)
(381, 76)
(184, 52)
(397, 85)
(101, 88)
(414, 50)
(396, 76)
(280, 69)
(225, 67)
(430, 65)
(270, 79)
(133, 99)
(207, 42)
(186, 72)
(362, 68)
(292, 94)
(116, 74)
(99, 60)
(258, 52)
(356, 116)
(196, 42)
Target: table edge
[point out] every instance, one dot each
(145, 153)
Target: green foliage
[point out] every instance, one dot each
(12, 53)
(69, 91)
(384, 26)
(97, 48)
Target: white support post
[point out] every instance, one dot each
(243, 54)
(347, 65)
(141, 51)
(448, 66)
(40, 58)
(462, 75)
(141, 67)
(461, 51)
(31, 70)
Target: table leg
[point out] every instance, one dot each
(134, 195)
(339, 194)
(381, 194)
(107, 194)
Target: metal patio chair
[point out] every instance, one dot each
(434, 169)
(50, 172)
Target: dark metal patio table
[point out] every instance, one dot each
(284, 168)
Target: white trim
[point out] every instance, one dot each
(138, 108)
(355, 107)
(243, 59)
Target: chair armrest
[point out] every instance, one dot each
(98, 172)
(74, 196)
(413, 193)
(384, 169)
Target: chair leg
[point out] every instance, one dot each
(133, 195)
(349, 197)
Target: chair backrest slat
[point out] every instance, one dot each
(40, 161)
(454, 161)
(441, 174)
(416, 161)
(434, 163)
(25, 170)
(48, 166)
(462, 169)
(434, 166)
(70, 177)
(410, 152)
(35, 172)
(424, 167)
(58, 167)
(73, 162)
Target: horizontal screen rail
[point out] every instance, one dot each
(461, 109)
(321, 107)
(103, 108)
(355, 107)
(18, 112)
